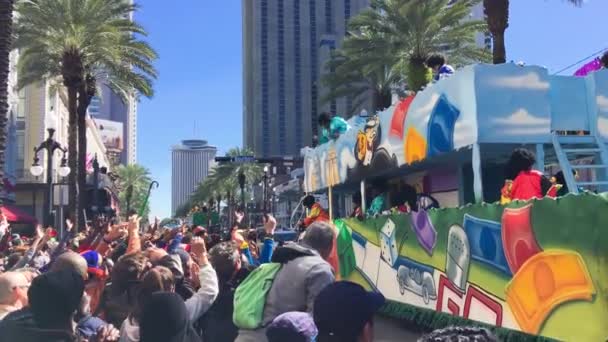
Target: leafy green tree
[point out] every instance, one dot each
(364, 64)
(224, 180)
(390, 42)
(80, 44)
(497, 17)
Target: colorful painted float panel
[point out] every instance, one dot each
(479, 104)
(539, 267)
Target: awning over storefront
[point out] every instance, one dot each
(16, 215)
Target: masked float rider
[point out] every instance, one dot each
(317, 213)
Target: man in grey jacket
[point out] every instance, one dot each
(304, 274)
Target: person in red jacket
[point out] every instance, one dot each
(526, 183)
(316, 211)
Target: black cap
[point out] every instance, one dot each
(55, 296)
(343, 308)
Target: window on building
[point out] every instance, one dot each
(20, 160)
(329, 25)
(21, 104)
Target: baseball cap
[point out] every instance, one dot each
(343, 308)
(293, 327)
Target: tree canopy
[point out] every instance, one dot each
(389, 43)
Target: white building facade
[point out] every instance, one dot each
(191, 162)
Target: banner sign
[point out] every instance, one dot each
(111, 133)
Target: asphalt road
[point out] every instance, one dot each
(390, 330)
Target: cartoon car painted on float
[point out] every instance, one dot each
(416, 281)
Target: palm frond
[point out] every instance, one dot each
(100, 32)
(386, 37)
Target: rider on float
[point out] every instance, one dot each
(522, 182)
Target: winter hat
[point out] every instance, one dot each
(94, 261)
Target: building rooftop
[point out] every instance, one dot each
(193, 144)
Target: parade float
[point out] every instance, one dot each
(539, 267)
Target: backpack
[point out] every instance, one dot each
(250, 296)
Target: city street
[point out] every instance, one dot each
(390, 330)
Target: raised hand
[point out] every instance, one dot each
(107, 333)
(198, 249)
(69, 225)
(238, 215)
(116, 232)
(39, 234)
(133, 224)
(270, 224)
(194, 275)
(4, 225)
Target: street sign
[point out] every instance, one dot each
(244, 159)
(60, 194)
(237, 159)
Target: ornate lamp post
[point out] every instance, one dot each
(242, 181)
(50, 145)
(265, 192)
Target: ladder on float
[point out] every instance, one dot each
(570, 148)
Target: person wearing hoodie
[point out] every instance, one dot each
(305, 272)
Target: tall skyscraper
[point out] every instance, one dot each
(109, 106)
(285, 47)
(191, 162)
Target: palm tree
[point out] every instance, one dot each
(355, 70)
(497, 17)
(137, 178)
(82, 42)
(6, 23)
(223, 179)
(390, 42)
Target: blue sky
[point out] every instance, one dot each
(200, 83)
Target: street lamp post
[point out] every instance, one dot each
(95, 206)
(50, 145)
(265, 192)
(242, 180)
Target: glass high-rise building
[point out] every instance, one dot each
(191, 162)
(286, 44)
(285, 47)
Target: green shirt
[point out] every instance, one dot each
(337, 125)
(377, 206)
